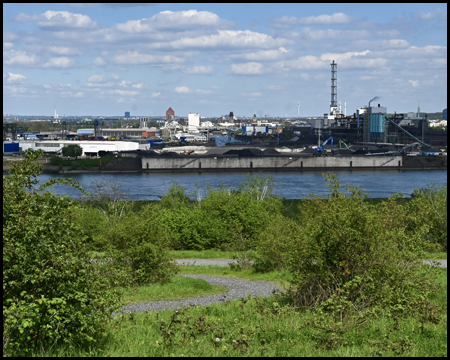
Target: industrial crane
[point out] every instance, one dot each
(319, 150)
(340, 145)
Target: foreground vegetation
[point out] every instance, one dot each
(267, 327)
(351, 268)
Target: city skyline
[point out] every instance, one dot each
(106, 59)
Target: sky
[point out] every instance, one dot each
(264, 59)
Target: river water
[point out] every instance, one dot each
(290, 185)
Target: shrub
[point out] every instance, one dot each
(139, 249)
(92, 222)
(275, 244)
(51, 293)
(435, 198)
(373, 252)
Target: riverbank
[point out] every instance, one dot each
(175, 163)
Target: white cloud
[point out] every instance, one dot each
(156, 94)
(139, 85)
(347, 60)
(58, 20)
(174, 21)
(7, 45)
(414, 83)
(79, 94)
(64, 50)
(14, 78)
(227, 38)
(199, 70)
(383, 44)
(9, 35)
(98, 79)
(99, 62)
(393, 33)
(274, 87)
(433, 14)
(262, 55)
(133, 57)
(290, 21)
(251, 68)
(315, 35)
(18, 58)
(251, 94)
(124, 92)
(417, 52)
(202, 91)
(62, 62)
(182, 89)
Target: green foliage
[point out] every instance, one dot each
(51, 293)
(374, 250)
(72, 150)
(276, 243)
(93, 223)
(435, 207)
(225, 219)
(175, 197)
(139, 249)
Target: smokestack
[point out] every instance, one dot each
(333, 85)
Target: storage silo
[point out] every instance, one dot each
(377, 123)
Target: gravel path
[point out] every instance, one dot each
(238, 289)
(205, 262)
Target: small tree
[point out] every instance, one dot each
(72, 150)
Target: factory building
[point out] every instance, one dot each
(90, 148)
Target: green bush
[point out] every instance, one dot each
(51, 292)
(435, 198)
(92, 222)
(276, 243)
(139, 249)
(361, 256)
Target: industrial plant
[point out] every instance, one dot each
(370, 136)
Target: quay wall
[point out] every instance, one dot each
(192, 163)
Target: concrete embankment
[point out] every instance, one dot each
(272, 163)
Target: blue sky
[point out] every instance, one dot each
(263, 59)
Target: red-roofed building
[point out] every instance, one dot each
(170, 114)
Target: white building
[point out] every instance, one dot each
(194, 119)
(90, 148)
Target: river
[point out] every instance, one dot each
(290, 185)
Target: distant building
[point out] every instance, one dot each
(144, 122)
(170, 114)
(194, 119)
(444, 114)
(127, 114)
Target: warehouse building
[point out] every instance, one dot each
(90, 148)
